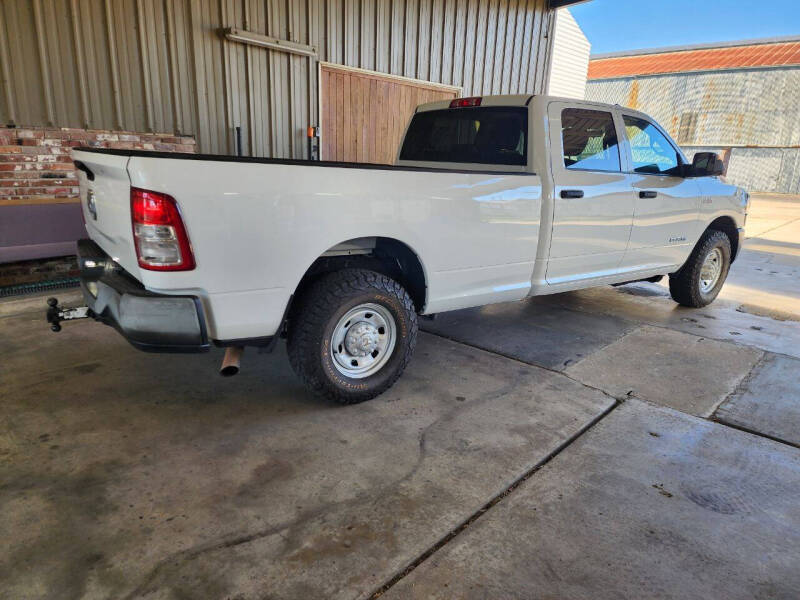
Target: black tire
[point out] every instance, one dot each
(316, 314)
(684, 286)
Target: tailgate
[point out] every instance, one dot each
(106, 204)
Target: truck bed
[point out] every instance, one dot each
(286, 161)
(257, 224)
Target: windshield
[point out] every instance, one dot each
(496, 135)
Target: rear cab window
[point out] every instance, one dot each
(490, 135)
(589, 140)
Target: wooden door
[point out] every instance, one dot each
(364, 114)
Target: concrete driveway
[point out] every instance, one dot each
(598, 444)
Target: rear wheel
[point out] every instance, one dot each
(352, 334)
(699, 280)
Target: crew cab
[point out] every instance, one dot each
(491, 199)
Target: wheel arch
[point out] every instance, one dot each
(387, 255)
(727, 225)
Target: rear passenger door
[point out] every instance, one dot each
(665, 221)
(593, 201)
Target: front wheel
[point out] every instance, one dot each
(701, 278)
(352, 334)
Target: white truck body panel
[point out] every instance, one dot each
(247, 269)
(110, 190)
(482, 233)
(589, 234)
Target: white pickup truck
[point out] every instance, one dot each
(491, 199)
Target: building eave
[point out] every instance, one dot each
(553, 4)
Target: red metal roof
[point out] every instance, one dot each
(707, 59)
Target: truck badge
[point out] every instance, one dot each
(91, 205)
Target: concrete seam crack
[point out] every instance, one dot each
(740, 388)
(760, 233)
(535, 366)
(447, 538)
(744, 429)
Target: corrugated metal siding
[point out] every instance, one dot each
(569, 60)
(759, 169)
(162, 65)
(754, 107)
(752, 112)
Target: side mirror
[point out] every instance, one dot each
(707, 164)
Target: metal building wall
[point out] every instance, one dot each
(163, 65)
(756, 169)
(569, 58)
(752, 112)
(754, 107)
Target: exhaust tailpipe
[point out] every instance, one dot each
(230, 363)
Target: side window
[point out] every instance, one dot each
(589, 140)
(652, 152)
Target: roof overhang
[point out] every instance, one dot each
(553, 4)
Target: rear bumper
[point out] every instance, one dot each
(150, 322)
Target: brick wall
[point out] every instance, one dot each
(35, 166)
(40, 213)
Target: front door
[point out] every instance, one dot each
(593, 201)
(665, 221)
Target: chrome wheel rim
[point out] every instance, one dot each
(711, 270)
(363, 340)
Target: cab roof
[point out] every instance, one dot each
(504, 100)
(520, 100)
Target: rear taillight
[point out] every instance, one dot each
(466, 102)
(158, 232)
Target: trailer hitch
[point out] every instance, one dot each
(56, 313)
